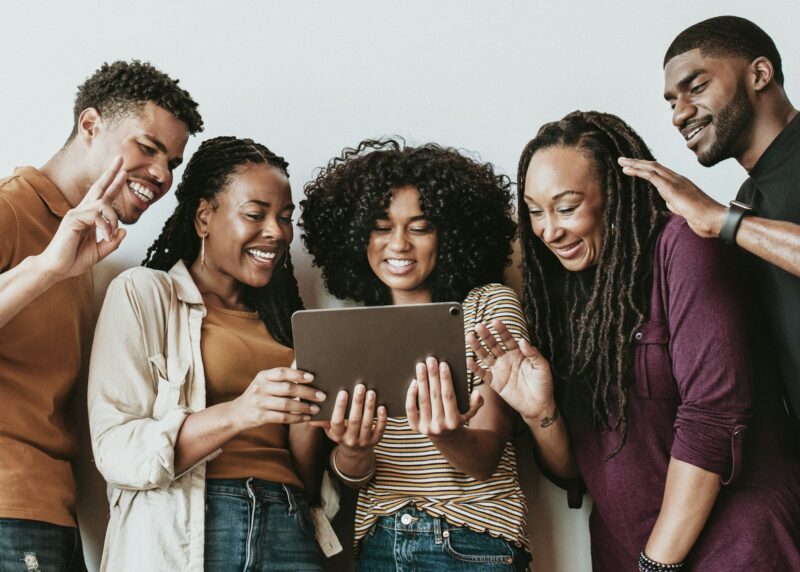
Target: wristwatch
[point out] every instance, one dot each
(736, 212)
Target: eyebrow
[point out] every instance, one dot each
(385, 216)
(163, 148)
(687, 79)
(266, 204)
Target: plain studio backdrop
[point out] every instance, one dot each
(307, 78)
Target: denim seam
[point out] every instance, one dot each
(448, 548)
(250, 524)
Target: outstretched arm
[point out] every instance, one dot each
(777, 242)
(73, 250)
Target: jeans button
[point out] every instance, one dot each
(446, 534)
(406, 519)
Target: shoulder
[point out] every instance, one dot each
(678, 245)
(143, 283)
(494, 302)
(493, 293)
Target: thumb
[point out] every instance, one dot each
(475, 403)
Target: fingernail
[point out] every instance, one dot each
(306, 417)
(308, 377)
(342, 394)
(360, 389)
(381, 409)
(319, 395)
(370, 394)
(314, 409)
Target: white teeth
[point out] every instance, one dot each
(262, 255)
(695, 132)
(141, 191)
(399, 262)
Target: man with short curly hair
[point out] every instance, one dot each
(131, 125)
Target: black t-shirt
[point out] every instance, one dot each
(773, 190)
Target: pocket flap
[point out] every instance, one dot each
(652, 332)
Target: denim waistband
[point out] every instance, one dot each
(256, 489)
(410, 519)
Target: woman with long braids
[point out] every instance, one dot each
(192, 354)
(395, 224)
(639, 334)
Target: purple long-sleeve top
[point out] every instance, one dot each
(693, 398)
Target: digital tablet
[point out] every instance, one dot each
(379, 346)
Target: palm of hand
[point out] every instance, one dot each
(524, 382)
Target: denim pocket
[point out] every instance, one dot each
(467, 546)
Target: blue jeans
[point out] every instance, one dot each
(258, 526)
(30, 545)
(411, 540)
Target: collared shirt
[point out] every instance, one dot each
(773, 190)
(41, 356)
(146, 376)
(692, 399)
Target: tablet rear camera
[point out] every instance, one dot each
(454, 311)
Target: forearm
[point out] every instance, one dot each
(473, 451)
(689, 496)
(305, 443)
(551, 439)
(202, 433)
(21, 285)
(777, 242)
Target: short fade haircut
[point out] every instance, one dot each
(121, 88)
(727, 36)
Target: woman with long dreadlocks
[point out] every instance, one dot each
(394, 224)
(192, 354)
(638, 327)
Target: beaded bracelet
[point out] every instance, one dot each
(350, 480)
(648, 565)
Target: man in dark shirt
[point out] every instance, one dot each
(724, 83)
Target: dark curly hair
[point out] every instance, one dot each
(206, 176)
(122, 87)
(465, 201)
(584, 322)
(727, 36)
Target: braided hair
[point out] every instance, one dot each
(584, 322)
(206, 176)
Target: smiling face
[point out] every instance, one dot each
(711, 104)
(564, 195)
(151, 142)
(402, 248)
(248, 229)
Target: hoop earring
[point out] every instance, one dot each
(203, 252)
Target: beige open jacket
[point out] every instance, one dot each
(146, 376)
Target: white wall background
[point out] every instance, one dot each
(307, 78)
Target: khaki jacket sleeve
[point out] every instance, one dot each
(134, 408)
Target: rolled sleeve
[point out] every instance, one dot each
(709, 354)
(132, 448)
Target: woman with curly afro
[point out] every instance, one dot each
(394, 224)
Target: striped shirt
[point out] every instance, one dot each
(410, 470)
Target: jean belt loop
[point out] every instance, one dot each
(437, 530)
(290, 499)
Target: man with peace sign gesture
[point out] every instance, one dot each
(131, 125)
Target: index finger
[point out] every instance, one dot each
(286, 374)
(99, 187)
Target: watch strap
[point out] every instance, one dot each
(733, 218)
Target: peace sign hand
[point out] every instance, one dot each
(74, 248)
(517, 372)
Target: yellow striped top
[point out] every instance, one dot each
(410, 470)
